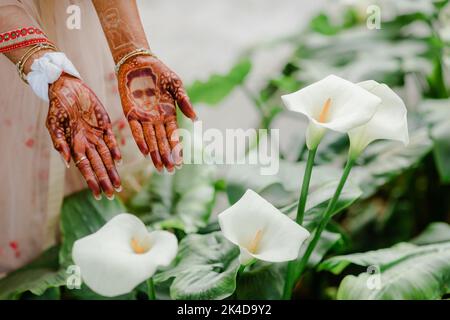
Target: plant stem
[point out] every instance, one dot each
(151, 289)
(300, 267)
(300, 215)
(305, 186)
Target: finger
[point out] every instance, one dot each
(174, 141)
(150, 137)
(185, 105)
(112, 145)
(164, 147)
(108, 162)
(83, 164)
(138, 134)
(100, 172)
(60, 144)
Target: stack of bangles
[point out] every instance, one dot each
(31, 37)
(29, 53)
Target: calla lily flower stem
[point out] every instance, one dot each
(300, 267)
(301, 206)
(151, 289)
(305, 186)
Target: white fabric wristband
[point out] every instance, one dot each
(46, 70)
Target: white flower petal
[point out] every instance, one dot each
(280, 237)
(108, 263)
(350, 105)
(389, 121)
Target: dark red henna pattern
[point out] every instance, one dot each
(81, 129)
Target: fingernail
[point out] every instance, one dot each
(119, 189)
(119, 162)
(110, 198)
(65, 163)
(98, 197)
(195, 119)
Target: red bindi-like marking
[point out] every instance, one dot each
(29, 143)
(14, 245)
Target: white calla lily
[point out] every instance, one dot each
(122, 254)
(261, 231)
(389, 121)
(332, 103)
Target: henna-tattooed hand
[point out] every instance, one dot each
(81, 129)
(149, 91)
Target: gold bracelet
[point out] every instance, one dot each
(22, 61)
(137, 52)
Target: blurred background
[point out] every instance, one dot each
(198, 38)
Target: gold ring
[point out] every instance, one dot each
(80, 160)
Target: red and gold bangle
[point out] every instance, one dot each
(20, 38)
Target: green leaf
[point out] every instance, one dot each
(183, 200)
(404, 271)
(435, 232)
(218, 87)
(263, 281)
(82, 215)
(37, 277)
(282, 189)
(437, 116)
(321, 24)
(205, 268)
(423, 273)
(384, 161)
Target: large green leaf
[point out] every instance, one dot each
(262, 281)
(183, 200)
(205, 268)
(404, 271)
(423, 275)
(436, 232)
(82, 215)
(282, 189)
(437, 115)
(37, 277)
(217, 87)
(384, 161)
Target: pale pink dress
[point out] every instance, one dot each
(32, 176)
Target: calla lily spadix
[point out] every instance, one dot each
(334, 104)
(261, 231)
(388, 123)
(122, 254)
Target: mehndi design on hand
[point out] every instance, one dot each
(149, 92)
(81, 129)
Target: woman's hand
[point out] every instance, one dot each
(80, 129)
(149, 91)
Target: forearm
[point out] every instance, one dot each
(11, 18)
(122, 26)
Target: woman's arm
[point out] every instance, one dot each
(12, 17)
(77, 122)
(149, 90)
(122, 26)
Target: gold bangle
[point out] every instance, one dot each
(22, 61)
(137, 52)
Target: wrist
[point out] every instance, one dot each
(33, 57)
(120, 54)
(133, 54)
